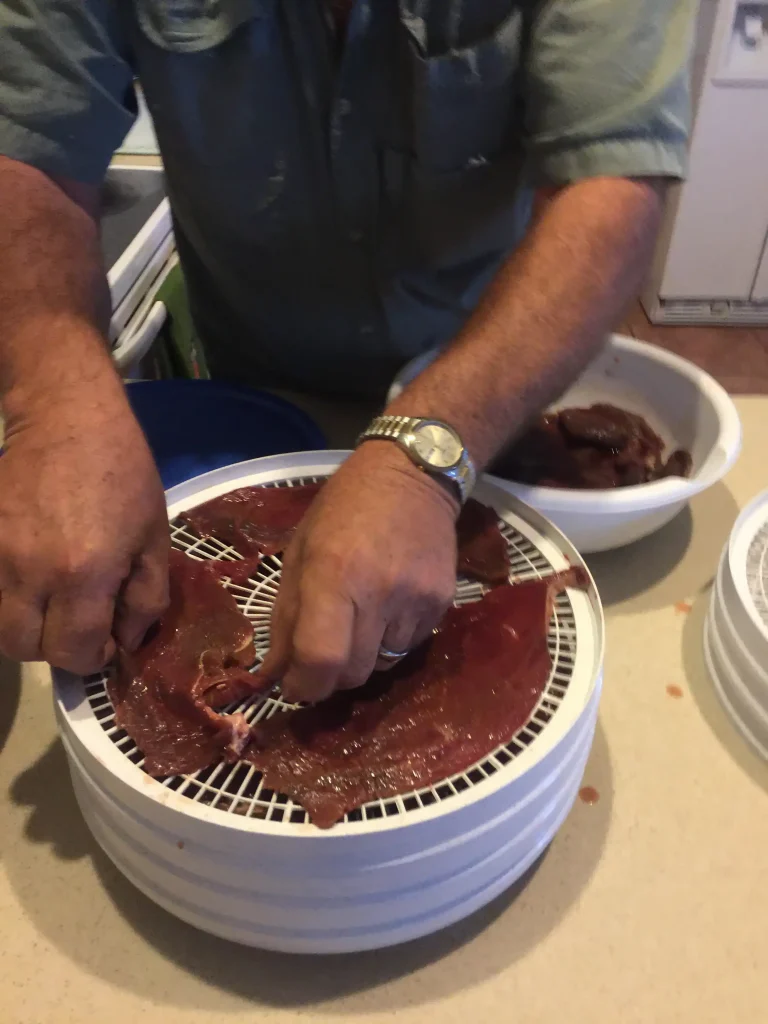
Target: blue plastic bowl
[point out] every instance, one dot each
(194, 426)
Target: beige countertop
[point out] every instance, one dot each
(650, 906)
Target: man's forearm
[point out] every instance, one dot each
(545, 314)
(54, 305)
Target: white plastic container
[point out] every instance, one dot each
(736, 630)
(682, 403)
(221, 852)
(134, 343)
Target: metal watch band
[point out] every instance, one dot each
(400, 428)
(389, 427)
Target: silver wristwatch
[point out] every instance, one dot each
(433, 446)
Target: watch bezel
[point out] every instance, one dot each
(411, 439)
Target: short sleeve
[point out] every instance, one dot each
(607, 88)
(66, 85)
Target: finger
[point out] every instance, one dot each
(399, 635)
(321, 647)
(281, 629)
(21, 627)
(77, 631)
(282, 626)
(364, 651)
(143, 598)
(406, 634)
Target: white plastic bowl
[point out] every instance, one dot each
(681, 402)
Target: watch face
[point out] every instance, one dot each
(436, 445)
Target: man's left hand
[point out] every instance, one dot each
(372, 565)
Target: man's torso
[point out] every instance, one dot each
(345, 179)
(349, 180)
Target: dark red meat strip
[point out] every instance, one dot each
(193, 662)
(253, 520)
(482, 548)
(469, 689)
(679, 463)
(257, 520)
(607, 428)
(597, 447)
(542, 451)
(239, 571)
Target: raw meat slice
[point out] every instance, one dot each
(679, 463)
(253, 520)
(482, 548)
(597, 447)
(239, 570)
(194, 661)
(256, 520)
(601, 426)
(467, 690)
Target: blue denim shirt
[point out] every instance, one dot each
(339, 211)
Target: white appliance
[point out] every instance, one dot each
(711, 265)
(139, 253)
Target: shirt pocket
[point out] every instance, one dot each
(466, 101)
(189, 26)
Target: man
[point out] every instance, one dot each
(351, 183)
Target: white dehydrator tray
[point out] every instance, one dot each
(219, 851)
(736, 629)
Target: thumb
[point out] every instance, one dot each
(285, 614)
(144, 597)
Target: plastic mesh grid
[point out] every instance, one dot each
(757, 572)
(238, 788)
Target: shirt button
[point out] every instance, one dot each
(345, 107)
(356, 237)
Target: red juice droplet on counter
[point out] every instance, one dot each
(674, 691)
(588, 795)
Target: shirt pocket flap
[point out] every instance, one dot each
(189, 26)
(465, 100)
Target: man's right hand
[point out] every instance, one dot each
(84, 534)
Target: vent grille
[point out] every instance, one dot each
(703, 311)
(238, 788)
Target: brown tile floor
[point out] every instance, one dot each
(736, 356)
